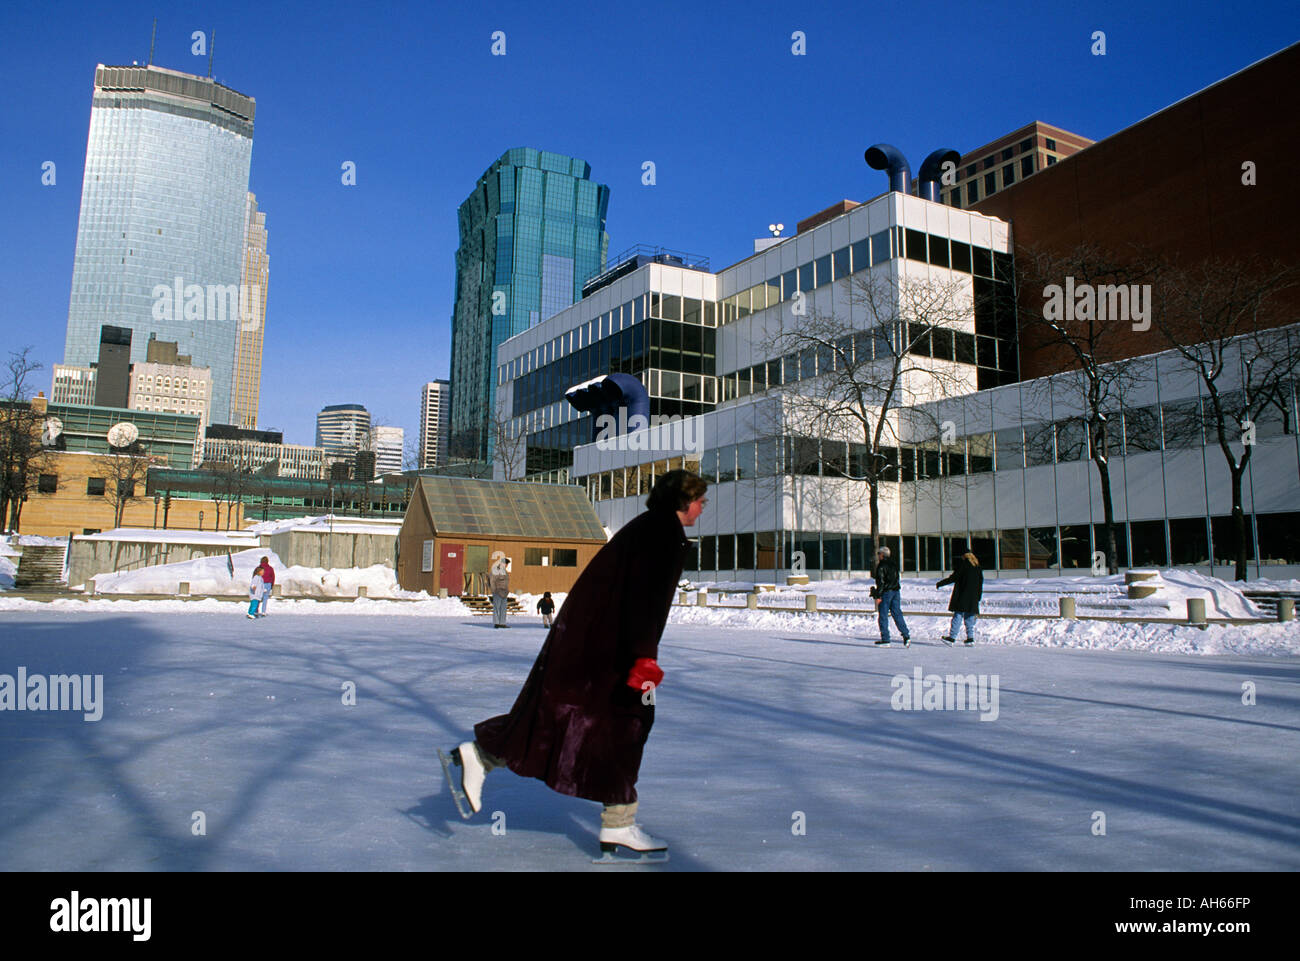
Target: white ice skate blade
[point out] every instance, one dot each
(642, 857)
(457, 794)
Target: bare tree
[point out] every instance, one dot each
(233, 478)
(1089, 341)
(127, 469)
(857, 376)
(509, 449)
(1224, 318)
(23, 458)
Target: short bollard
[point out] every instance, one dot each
(810, 602)
(1196, 611)
(1067, 608)
(1286, 608)
(184, 587)
(702, 598)
(361, 590)
(682, 597)
(90, 585)
(276, 590)
(751, 602)
(442, 593)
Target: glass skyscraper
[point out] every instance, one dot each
(161, 235)
(531, 232)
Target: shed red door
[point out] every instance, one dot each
(450, 565)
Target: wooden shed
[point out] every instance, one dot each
(453, 526)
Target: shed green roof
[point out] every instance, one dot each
(465, 505)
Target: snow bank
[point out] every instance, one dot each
(211, 575)
(7, 570)
(1024, 595)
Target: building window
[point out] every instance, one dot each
(564, 557)
(1008, 175)
(95, 486)
(48, 484)
(426, 558)
(1050, 160)
(125, 489)
(990, 183)
(1049, 143)
(1026, 166)
(1027, 144)
(536, 557)
(972, 192)
(1008, 152)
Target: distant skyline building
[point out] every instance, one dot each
(340, 430)
(245, 395)
(161, 232)
(113, 368)
(167, 383)
(435, 423)
(73, 385)
(531, 233)
(1010, 159)
(387, 443)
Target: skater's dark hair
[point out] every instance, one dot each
(265, 560)
(676, 490)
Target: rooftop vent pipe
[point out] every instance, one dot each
(610, 394)
(929, 181)
(885, 156)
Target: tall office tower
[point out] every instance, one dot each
(246, 390)
(160, 239)
(342, 429)
(387, 442)
(435, 422)
(1008, 160)
(531, 232)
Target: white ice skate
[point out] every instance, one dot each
(472, 775)
(646, 850)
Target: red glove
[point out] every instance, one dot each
(644, 670)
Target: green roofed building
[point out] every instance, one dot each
(454, 525)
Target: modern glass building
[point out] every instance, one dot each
(531, 233)
(163, 208)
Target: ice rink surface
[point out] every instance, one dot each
(772, 750)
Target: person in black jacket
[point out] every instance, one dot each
(888, 595)
(968, 586)
(546, 607)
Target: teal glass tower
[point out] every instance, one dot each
(531, 232)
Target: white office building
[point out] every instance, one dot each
(979, 461)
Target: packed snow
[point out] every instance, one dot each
(798, 747)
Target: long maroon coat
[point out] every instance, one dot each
(576, 724)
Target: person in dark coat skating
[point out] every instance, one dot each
(582, 719)
(968, 586)
(888, 593)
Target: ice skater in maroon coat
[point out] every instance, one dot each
(582, 719)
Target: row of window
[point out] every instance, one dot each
(95, 486)
(1176, 542)
(880, 247)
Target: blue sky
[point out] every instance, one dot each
(741, 130)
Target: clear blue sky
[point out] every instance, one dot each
(742, 132)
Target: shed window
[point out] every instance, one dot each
(426, 559)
